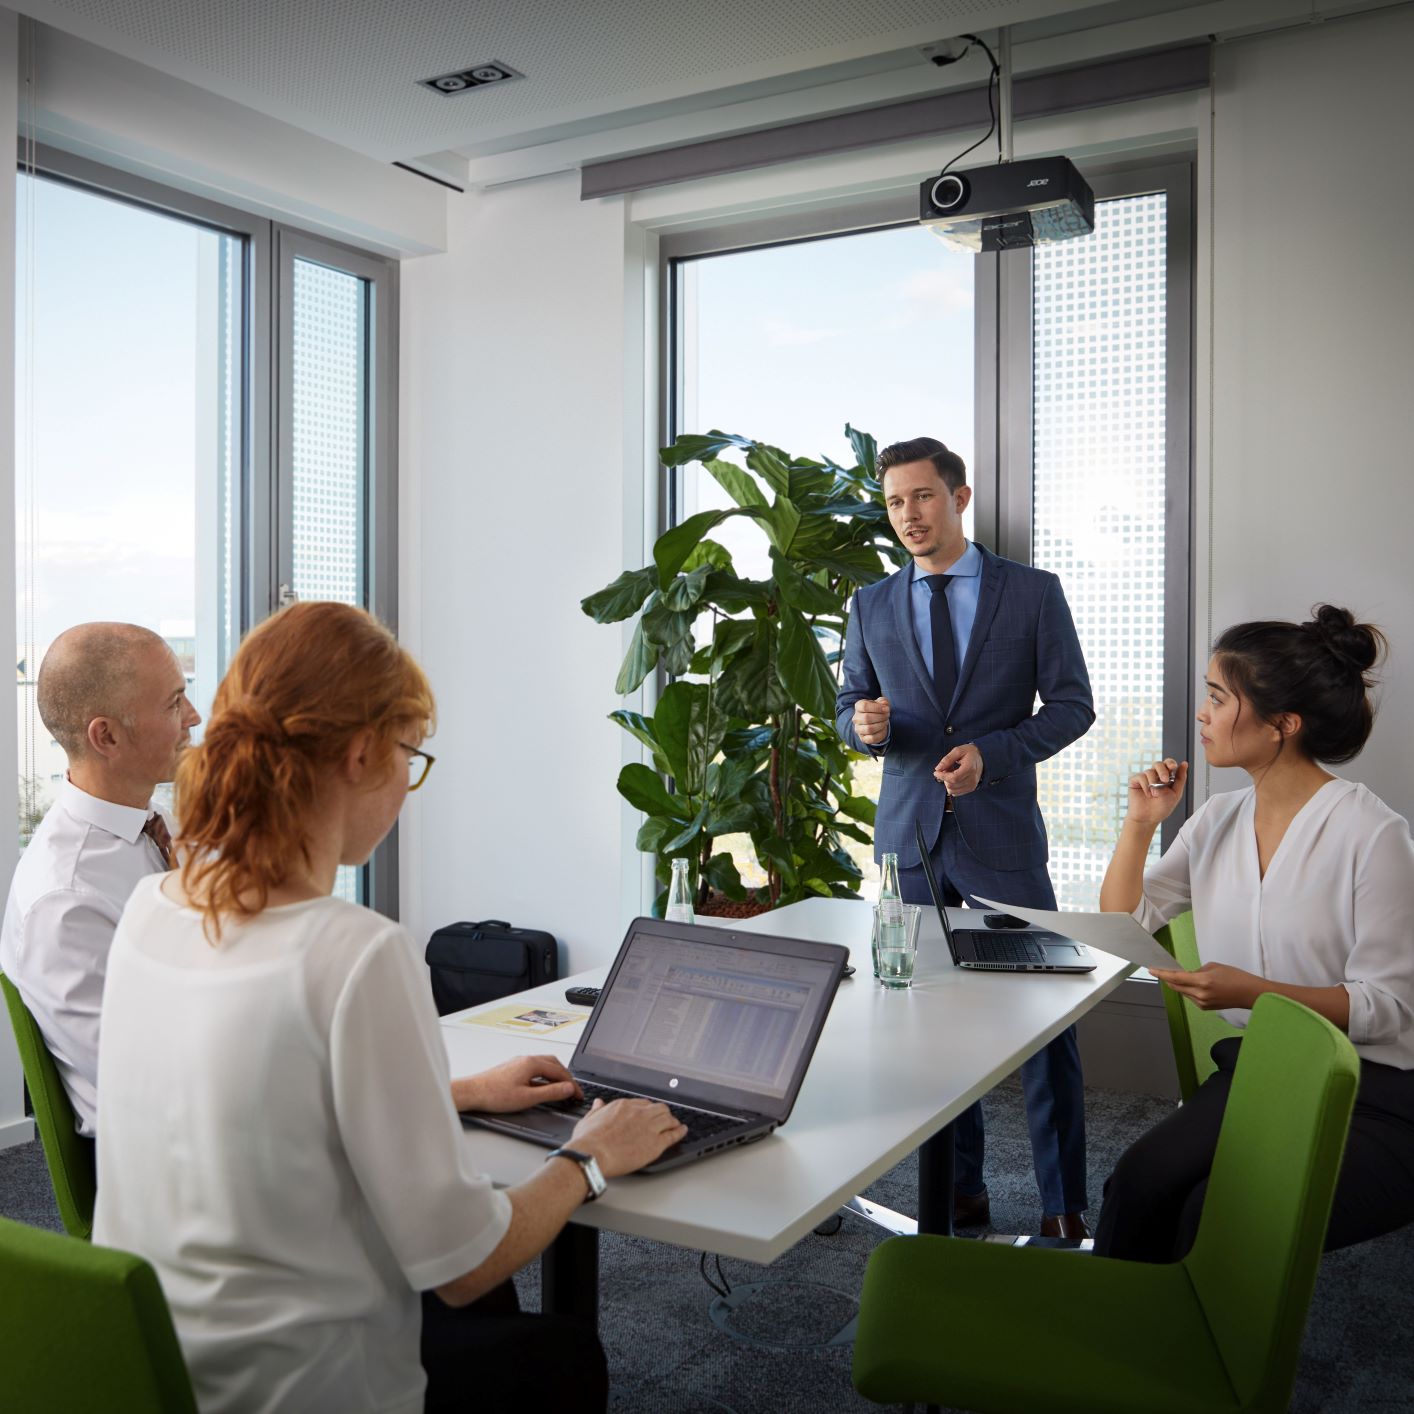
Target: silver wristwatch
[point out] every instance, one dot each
(588, 1165)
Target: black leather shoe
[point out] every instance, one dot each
(1065, 1225)
(971, 1209)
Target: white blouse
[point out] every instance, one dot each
(1336, 906)
(278, 1139)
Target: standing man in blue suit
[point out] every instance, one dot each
(943, 663)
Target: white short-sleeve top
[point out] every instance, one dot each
(1336, 906)
(278, 1139)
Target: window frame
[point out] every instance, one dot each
(1002, 474)
(264, 497)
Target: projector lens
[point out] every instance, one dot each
(948, 192)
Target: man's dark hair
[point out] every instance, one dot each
(948, 464)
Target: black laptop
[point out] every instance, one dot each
(1019, 950)
(720, 1025)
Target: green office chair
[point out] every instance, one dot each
(85, 1328)
(1192, 1030)
(69, 1156)
(974, 1325)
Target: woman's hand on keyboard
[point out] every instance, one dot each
(515, 1085)
(625, 1135)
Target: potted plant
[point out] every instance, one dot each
(743, 738)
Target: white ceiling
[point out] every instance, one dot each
(348, 70)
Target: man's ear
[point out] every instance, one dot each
(964, 497)
(102, 737)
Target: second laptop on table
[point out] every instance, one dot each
(719, 1024)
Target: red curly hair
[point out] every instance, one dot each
(301, 686)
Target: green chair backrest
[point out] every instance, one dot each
(1192, 1031)
(85, 1328)
(70, 1157)
(1253, 1264)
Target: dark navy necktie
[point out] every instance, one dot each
(944, 647)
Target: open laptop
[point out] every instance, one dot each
(1019, 950)
(719, 1025)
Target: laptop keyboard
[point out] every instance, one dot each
(1012, 950)
(700, 1123)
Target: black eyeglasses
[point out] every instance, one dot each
(419, 764)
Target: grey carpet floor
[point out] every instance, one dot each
(772, 1353)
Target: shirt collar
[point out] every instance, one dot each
(967, 566)
(124, 821)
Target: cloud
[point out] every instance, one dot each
(948, 289)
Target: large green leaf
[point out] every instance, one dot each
(688, 732)
(804, 594)
(807, 479)
(723, 874)
(695, 447)
(675, 545)
(641, 727)
(750, 686)
(731, 821)
(641, 659)
(643, 788)
(778, 852)
(746, 741)
(655, 832)
(664, 626)
(686, 589)
(858, 807)
(865, 448)
(771, 465)
(623, 597)
(725, 778)
(740, 485)
(708, 552)
(802, 665)
(781, 520)
(732, 595)
(687, 834)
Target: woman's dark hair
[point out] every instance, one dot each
(1318, 671)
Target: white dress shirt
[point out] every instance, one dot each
(66, 896)
(279, 1141)
(1335, 907)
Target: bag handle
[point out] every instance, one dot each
(491, 923)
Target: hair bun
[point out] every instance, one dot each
(1358, 645)
(251, 719)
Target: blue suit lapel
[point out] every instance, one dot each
(988, 597)
(903, 625)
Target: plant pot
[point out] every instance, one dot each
(718, 905)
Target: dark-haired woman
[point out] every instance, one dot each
(1302, 884)
(278, 1135)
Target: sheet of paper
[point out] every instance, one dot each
(1115, 933)
(553, 1025)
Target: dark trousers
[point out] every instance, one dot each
(493, 1358)
(1051, 1081)
(1154, 1198)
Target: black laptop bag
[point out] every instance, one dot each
(473, 963)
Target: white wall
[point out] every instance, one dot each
(518, 348)
(1313, 347)
(14, 1127)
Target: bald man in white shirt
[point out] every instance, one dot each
(114, 697)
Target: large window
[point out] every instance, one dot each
(786, 344)
(1061, 376)
(204, 431)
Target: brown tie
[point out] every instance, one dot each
(156, 830)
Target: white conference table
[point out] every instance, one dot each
(892, 1070)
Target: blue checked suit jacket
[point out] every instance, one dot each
(1023, 644)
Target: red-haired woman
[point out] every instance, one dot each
(279, 1136)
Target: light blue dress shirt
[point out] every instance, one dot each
(962, 605)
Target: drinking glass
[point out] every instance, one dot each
(894, 944)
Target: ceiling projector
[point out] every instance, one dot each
(1008, 206)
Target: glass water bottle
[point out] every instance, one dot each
(888, 915)
(680, 895)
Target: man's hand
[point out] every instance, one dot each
(1154, 794)
(625, 1135)
(1213, 987)
(871, 720)
(960, 770)
(515, 1085)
